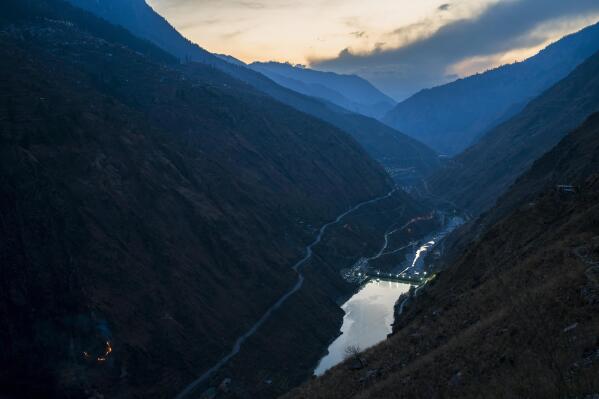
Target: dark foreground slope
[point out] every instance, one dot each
(404, 158)
(476, 178)
(149, 213)
(516, 315)
(451, 117)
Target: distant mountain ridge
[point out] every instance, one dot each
(404, 158)
(476, 178)
(348, 91)
(451, 117)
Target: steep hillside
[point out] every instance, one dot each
(451, 117)
(151, 212)
(576, 156)
(404, 158)
(516, 315)
(474, 179)
(139, 18)
(347, 91)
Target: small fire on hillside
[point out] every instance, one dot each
(101, 357)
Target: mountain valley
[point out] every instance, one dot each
(177, 223)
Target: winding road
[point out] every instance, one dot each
(267, 315)
(383, 250)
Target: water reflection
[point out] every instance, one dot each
(367, 321)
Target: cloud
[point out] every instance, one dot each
(252, 4)
(424, 56)
(232, 35)
(230, 4)
(358, 34)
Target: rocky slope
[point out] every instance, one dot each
(150, 211)
(474, 179)
(516, 314)
(451, 117)
(404, 158)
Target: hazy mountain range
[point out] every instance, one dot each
(406, 158)
(476, 177)
(451, 117)
(348, 91)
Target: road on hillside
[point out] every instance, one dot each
(269, 312)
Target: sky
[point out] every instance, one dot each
(401, 46)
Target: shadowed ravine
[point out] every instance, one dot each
(269, 312)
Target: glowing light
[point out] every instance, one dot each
(101, 358)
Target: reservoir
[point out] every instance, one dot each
(369, 313)
(367, 321)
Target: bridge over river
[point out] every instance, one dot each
(413, 279)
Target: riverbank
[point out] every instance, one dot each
(370, 312)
